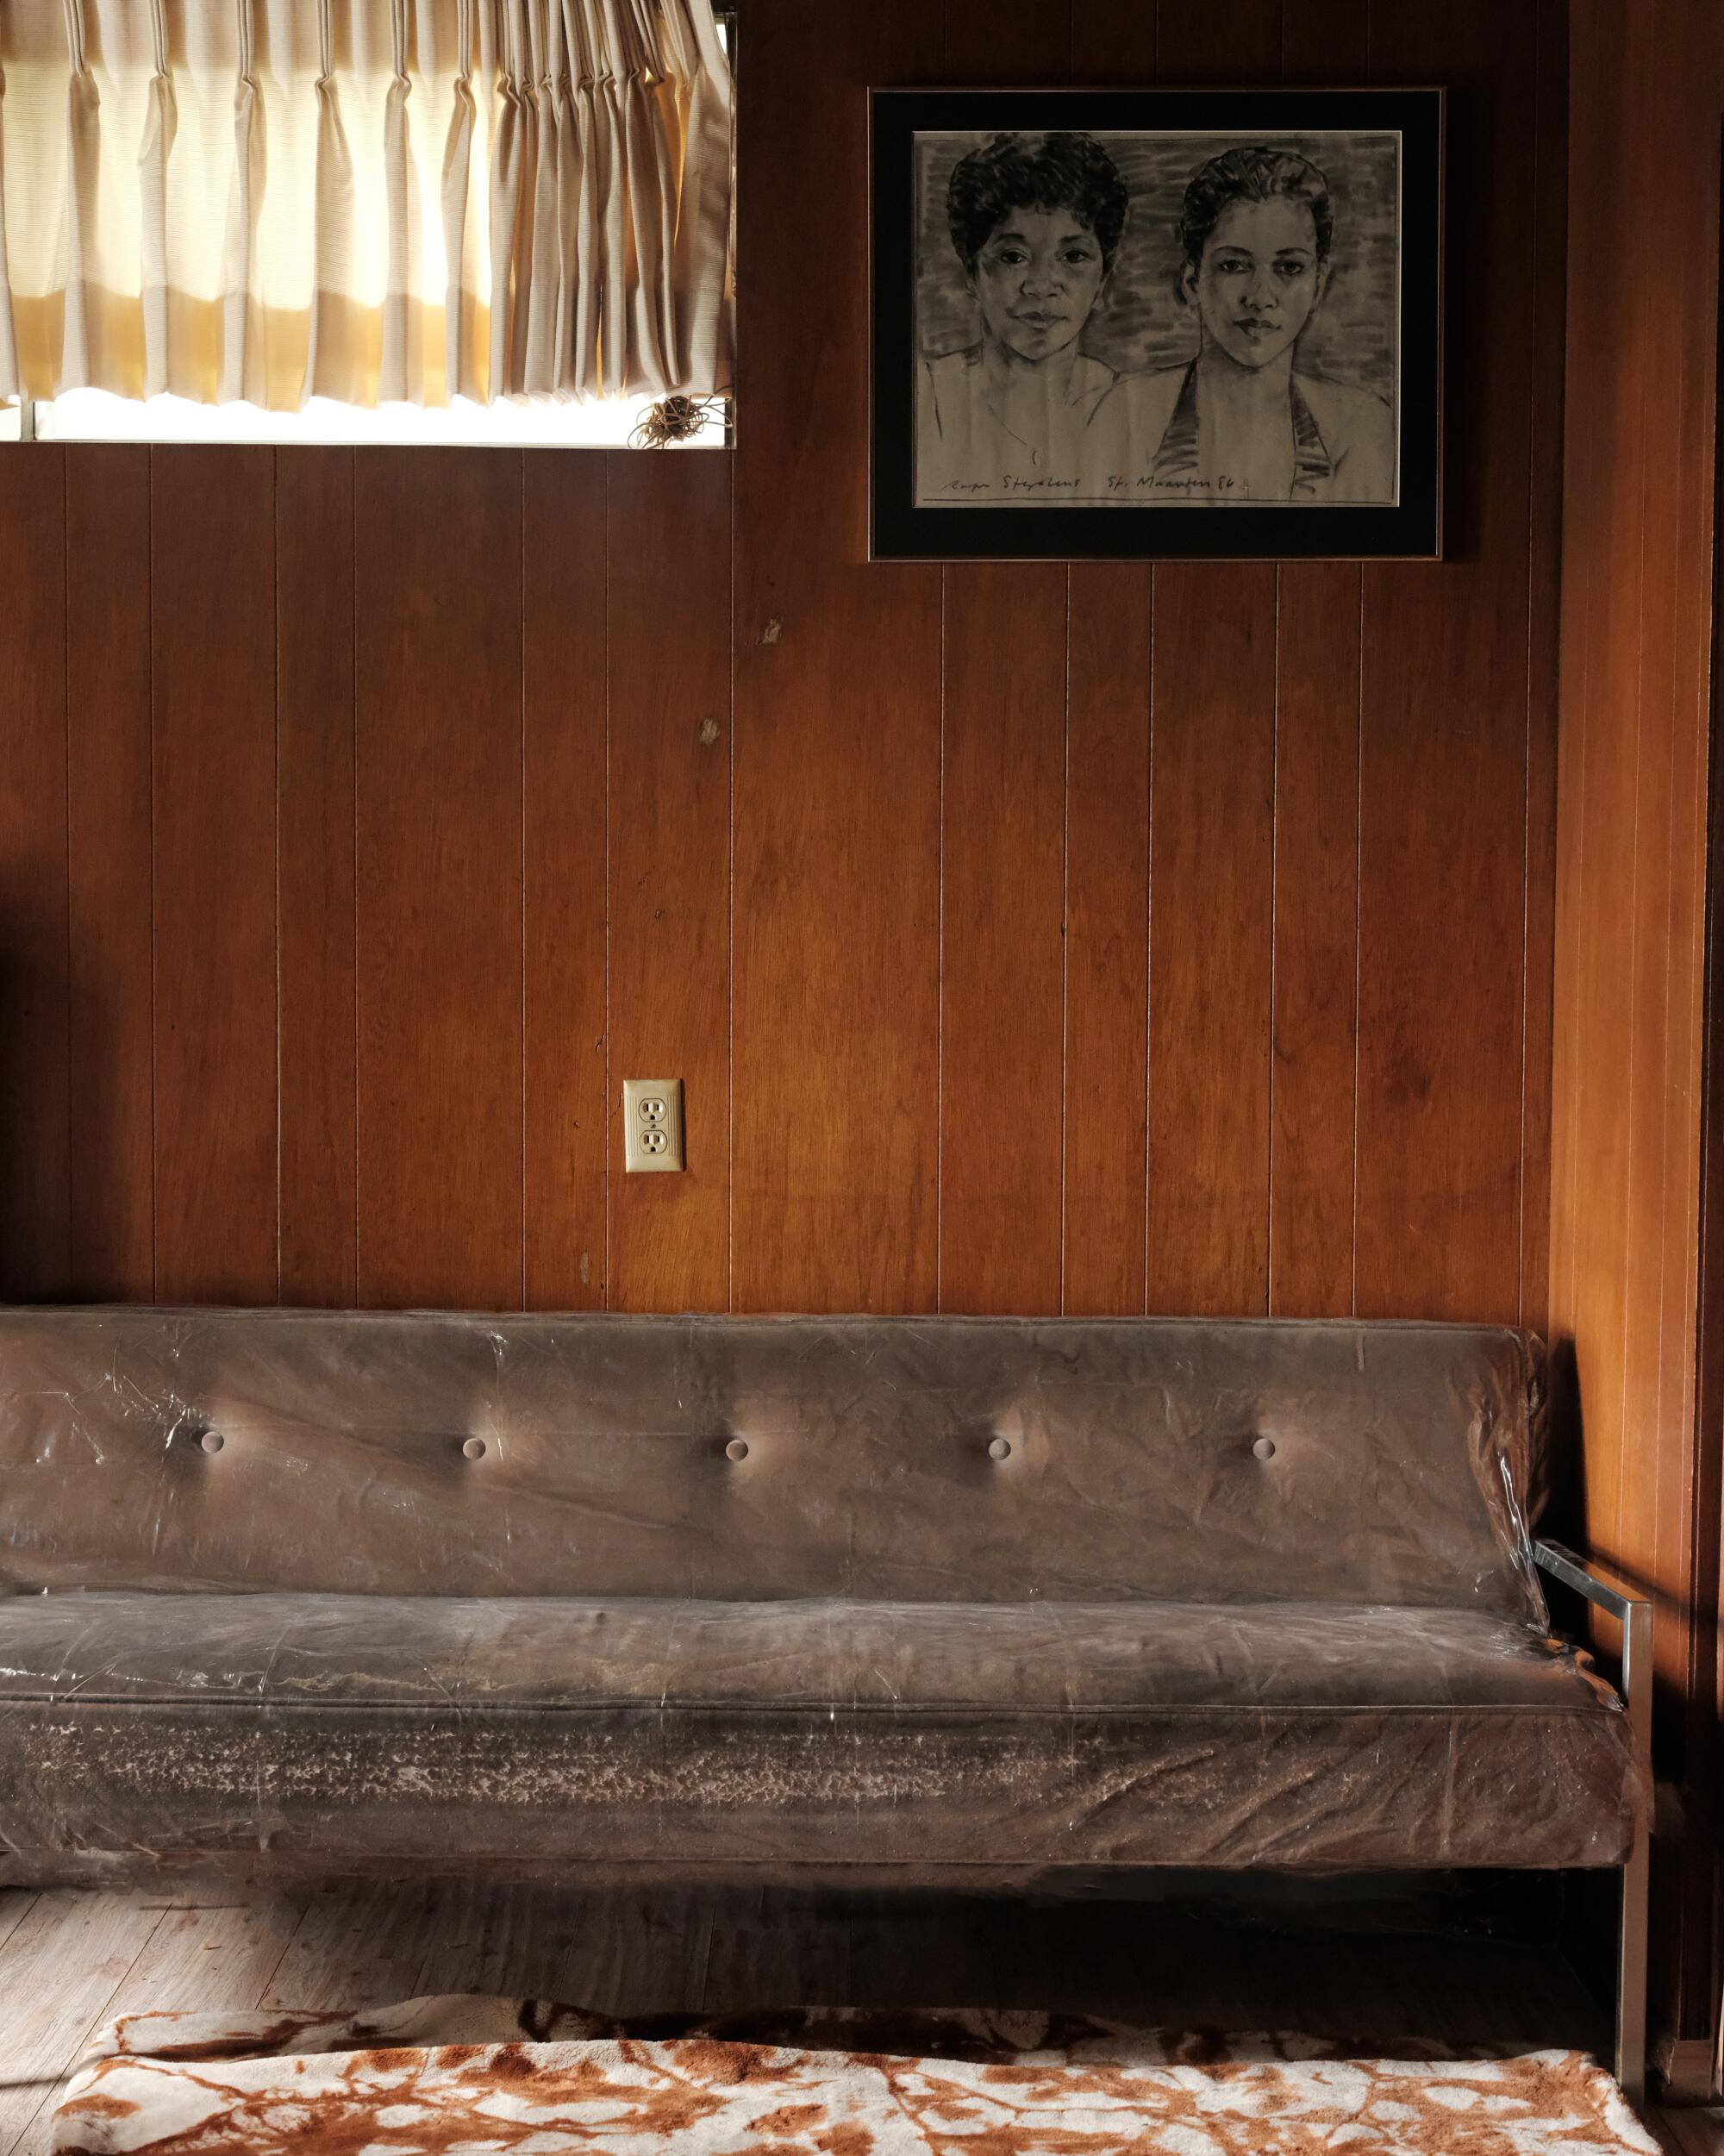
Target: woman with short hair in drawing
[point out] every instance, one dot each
(1243, 421)
(1036, 222)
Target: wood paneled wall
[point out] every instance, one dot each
(1636, 676)
(1030, 938)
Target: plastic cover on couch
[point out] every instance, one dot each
(945, 1597)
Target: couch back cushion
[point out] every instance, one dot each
(989, 1459)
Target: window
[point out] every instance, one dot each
(531, 247)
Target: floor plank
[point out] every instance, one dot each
(623, 1953)
(196, 1959)
(640, 1953)
(773, 1948)
(360, 1944)
(16, 1904)
(1685, 2131)
(59, 1970)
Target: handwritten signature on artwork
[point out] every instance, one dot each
(1116, 483)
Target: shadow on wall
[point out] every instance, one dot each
(1564, 1515)
(35, 1128)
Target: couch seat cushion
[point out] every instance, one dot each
(565, 1737)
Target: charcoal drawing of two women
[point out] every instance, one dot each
(1029, 411)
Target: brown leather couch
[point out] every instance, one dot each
(299, 1593)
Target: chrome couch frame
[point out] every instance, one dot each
(1607, 1591)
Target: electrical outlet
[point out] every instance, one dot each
(652, 1126)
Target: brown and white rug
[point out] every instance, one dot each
(465, 2076)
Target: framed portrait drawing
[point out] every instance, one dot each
(1156, 323)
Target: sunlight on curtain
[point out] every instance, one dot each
(363, 200)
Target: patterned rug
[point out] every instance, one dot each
(465, 2076)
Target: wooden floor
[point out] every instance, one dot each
(70, 1960)
(1690, 2131)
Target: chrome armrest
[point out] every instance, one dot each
(1607, 1591)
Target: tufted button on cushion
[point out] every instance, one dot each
(1001, 1449)
(212, 1440)
(474, 1448)
(1264, 1448)
(737, 1449)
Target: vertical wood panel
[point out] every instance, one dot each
(1314, 1096)
(1691, 1447)
(1211, 897)
(212, 606)
(34, 989)
(1002, 941)
(440, 878)
(1313, 1093)
(1325, 43)
(1585, 106)
(110, 900)
(1107, 939)
(1603, 499)
(1112, 44)
(1443, 754)
(1003, 897)
(1009, 40)
(1631, 1138)
(835, 1014)
(1111, 607)
(670, 867)
(314, 718)
(1212, 795)
(1654, 1495)
(1550, 256)
(565, 868)
(1218, 40)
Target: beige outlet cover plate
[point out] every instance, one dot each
(652, 1126)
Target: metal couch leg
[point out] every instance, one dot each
(1608, 1591)
(1631, 1974)
(1631, 1959)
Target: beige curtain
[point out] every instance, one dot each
(364, 199)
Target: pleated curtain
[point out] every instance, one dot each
(366, 200)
